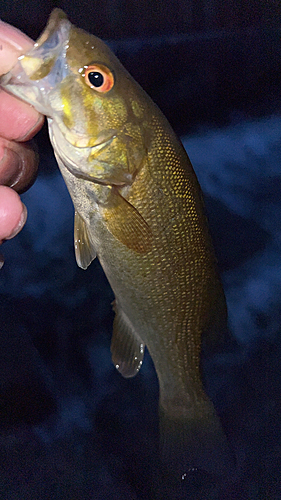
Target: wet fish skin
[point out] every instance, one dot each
(138, 208)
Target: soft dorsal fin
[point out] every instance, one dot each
(127, 349)
(84, 250)
(127, 225)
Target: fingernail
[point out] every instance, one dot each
(10, 165)
(30, 133)
(21, 223)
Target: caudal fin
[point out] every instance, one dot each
(197, 443)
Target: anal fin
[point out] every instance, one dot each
(127, 348)
(84, 250)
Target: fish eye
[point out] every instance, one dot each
(98, 77)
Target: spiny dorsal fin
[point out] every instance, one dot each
(127, 349)
(127, 225)
(84, 250)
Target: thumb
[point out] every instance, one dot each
(13, 43)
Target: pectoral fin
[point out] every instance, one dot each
(127, 225)
(127, 349)
(84, 250)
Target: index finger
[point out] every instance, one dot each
(21, 121)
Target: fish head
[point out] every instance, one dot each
(96, 111)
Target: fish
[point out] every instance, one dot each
(139, 209)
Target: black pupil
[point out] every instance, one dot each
(95, 78)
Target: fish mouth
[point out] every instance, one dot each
(38, 71)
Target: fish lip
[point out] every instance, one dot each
(53, 23)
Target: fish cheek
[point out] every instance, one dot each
(81, 109)
(72, 104)
(67, 110)
(104, 111)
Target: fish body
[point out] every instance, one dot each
(138, 207)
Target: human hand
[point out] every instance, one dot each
(19, 122)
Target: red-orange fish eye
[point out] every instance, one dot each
(98, 77)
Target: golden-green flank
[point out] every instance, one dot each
(138, 207)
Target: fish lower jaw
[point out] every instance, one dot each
(79, 140)
(74, 159)
(74, 139)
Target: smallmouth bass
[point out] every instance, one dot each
(139, 209)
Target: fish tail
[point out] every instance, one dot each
(189, 444)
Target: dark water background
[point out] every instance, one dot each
(70, 426)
